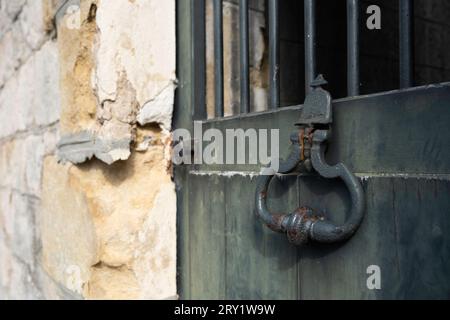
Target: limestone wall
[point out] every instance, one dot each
(87, 202)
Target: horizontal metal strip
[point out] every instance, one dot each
(363, 176)
(402, 131)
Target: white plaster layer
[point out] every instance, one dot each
(137, 38)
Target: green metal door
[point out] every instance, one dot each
(397, 144)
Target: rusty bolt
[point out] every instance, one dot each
(299, 225)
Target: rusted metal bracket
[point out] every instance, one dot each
(309, 144)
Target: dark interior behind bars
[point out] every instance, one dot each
(408, 50)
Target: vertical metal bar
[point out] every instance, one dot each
(274, 55)
(406, 20)
(310, 46)
(244, 56)
(218, 57)
(352, 47)
(199, 59)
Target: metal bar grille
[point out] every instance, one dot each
(244, 56)
(352, 47)
(406, 57)
(406, 16)
(310, 43)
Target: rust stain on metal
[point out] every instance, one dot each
(277, 219)
(302, 144)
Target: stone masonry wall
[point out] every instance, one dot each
(87, 202)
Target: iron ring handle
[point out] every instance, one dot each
(324, 230)
(303, 225)
(273, 221)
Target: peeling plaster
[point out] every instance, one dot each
(133, 81)
(159, 109)
(80, 147)
(125, 44)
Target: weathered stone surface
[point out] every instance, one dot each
(33, 159)
(31, 98)
(24, 28)
(154, 256)
(21, 162)
(100, 229)
(69, 243)
(12, 165)
(20, 169)
(18, 218)
(53, 290)
(14, 50)
(5, 261)
(12, 8)
(5, 23)
(45, 105)
(112, 283)
(129, 208)
(32, 22)
(20, 282)
(11, 98)
(75, 45)
(19, 245)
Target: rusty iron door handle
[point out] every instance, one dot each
(303, 225)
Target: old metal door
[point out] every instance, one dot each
(397, 143)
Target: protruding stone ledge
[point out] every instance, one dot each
(83, 146)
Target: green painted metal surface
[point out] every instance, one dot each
(397, 142)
